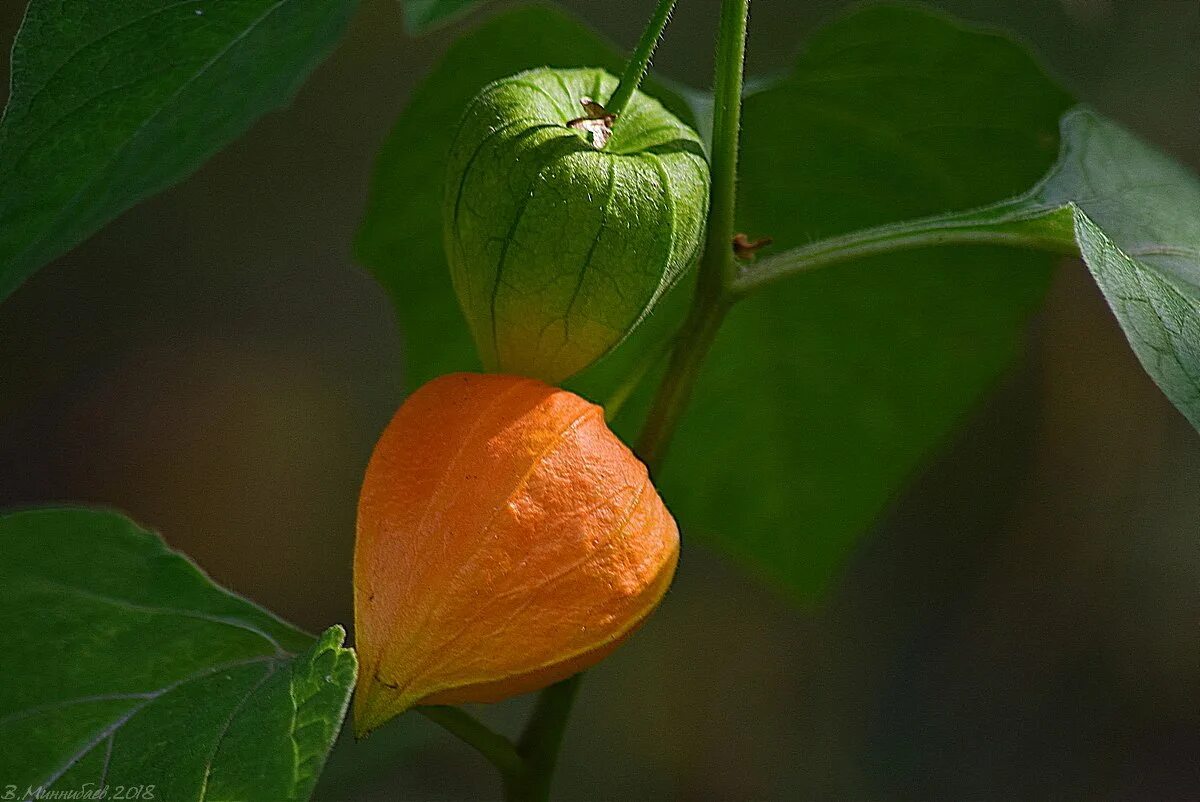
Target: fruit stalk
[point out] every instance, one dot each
(541, 742)
(496, 748)
(639, 63)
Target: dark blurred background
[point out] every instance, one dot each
(1025, 624)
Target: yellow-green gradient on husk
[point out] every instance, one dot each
(558, 249)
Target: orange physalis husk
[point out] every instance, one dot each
(506, 540)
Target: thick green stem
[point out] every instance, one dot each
(541, 742)
(639, 63)
(717, 265)
(718, 269)
(1023, 223)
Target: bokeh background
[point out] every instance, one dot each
(1024, 624)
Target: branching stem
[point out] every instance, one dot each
(528, 767)
(540, 743)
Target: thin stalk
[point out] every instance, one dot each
(498, 750)
(639, 63)
(718, 269)
(540, 743)
(1022, 223)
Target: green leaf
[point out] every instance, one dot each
(422, 16)
(401, 235)
(1137, 222)
(114, 101)
(825, 393)
(125, 665)
(1130, 211)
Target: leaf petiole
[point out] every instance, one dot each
(1025, 222)
(540, 743)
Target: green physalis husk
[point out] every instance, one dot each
(560, 244)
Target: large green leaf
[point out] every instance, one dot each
(825, 393)
(1137, 222)
(400, 240)
(113, 101)
(125, 665)
(1131, 212)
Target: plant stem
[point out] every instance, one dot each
(718, 269)
(541, 741)
(717, 265)
(1023, 222)
(495, 747)
(639, 63)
